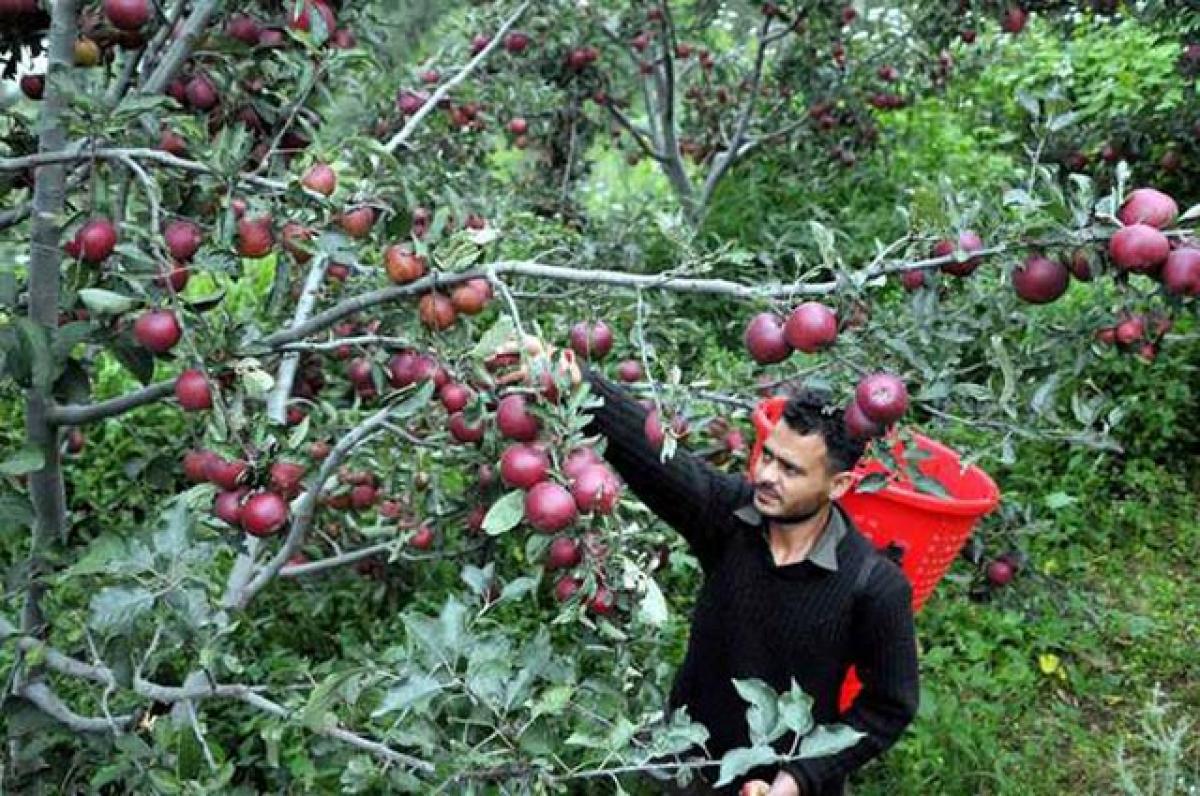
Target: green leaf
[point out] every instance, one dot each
(477, 579)
(502, 330)
(414, 402)
(930, 486)
(517, 588)
(738, 761)
(15, 513)
(795, 710)
(106, 302)
(116, 608)
(505, 514)
(829, 739)
(762, 716)
(104, 550)
(136, 360)
(414, 693)
(27, 460)
(1059, 500)
(553, 701)
(653, 606)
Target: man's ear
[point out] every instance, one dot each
(840, 484)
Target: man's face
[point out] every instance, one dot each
(793, 480)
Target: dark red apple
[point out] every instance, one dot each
(1040, 280)
(1014, 20)
(596, 489)
(915, 279)
(402, 265)
(516, 42)
(243, 28)
(579, 460)
(564, 553)
(882, 398)
(195, 465)
(969, 242)
(652, 428)
(765, 340)
(362, 496)
(127, 14)
(1181, 273)
(629, 371)
(227, 506)
(549, 507)
(1082, 265)
(255, 237)
(183, 239)
(436, 311)
(514, 419)
(264, 513)
(591, 341)
(157, 331)
(1000, 572)
(1130, 330)
(423, 538)
(201, 93)
(518, 125)
(1139, 248)
(1148, 206)
(602, 602)
(285, 478)
(224, 473)
(858, 425)
(191, 388)
(523, 466)
(566, 588)
(467, 299)
(33, 86)
(811, 327)
(454, 396)
(321, 178)
(357, 222)
(97, 239)
(462, 431)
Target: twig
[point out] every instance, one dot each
(411, 125)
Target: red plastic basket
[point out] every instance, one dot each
(929, 530)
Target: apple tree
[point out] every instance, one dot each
(282, 524)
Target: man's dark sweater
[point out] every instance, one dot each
(754, 619)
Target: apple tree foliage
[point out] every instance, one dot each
(260, 500)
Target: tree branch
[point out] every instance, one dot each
(79, 414)
(638, 138)
(181, 49)
(277, 400)
(401, 137)
(238, 596)
(49, 703)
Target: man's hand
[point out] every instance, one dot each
(539, 357)
(784, 785)
(755, 787)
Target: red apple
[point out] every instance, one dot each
(579, 460)
(97, 239)
(224, 473)
(127, 14)
(424, 537)
(596, 489)
(357, 222)
(765, 340)
(264, 513)
(514, 419)
(157, 331)
(629, 370)
(969, 242)
(402, 265)
(1130, 330)
(255, 237)
(1181, 273)
(652, 428)
(1148, 206)
(33, 86)
(191, 388)
(516, 42)
(462, 431)
(523, 466)
(858, 425)
(518, 125)
(564, 553)
(285, 478)
(1000, 572)
(1014, 20)
(454, 396)
(549, 507)
(1139, 248)
(566, 588)
(602, 602)
(195, 465)
(1040, 280)
(183, 239)
(882, 398)
(243, 28)
(321, 178)
(300, 15)
(436, 311)
(227, 506)
(201, 93)
(811, 327)
(591, 341)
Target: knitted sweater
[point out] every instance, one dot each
(754, 619)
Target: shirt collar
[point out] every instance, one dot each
(824, 551)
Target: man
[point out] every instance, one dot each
(791, 588)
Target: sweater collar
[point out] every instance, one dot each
(824, 551)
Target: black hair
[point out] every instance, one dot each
(810, 411)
